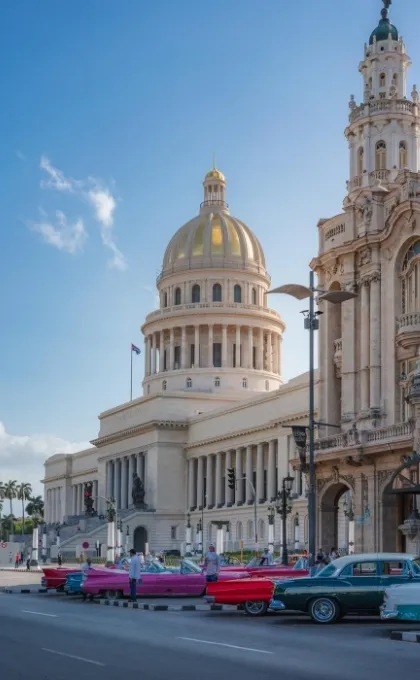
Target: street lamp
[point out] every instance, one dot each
(283, 508)
(311, 323)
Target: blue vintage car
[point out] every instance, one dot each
(73, 584)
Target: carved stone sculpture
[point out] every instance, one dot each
(138, 493)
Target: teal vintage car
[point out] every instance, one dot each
(351, 584)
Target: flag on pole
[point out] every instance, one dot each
(135, 349)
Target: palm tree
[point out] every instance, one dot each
(35, 506)
(2, 491)
(10, 492)
(8, 523)
(23, 492)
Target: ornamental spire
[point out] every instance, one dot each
(384, 11)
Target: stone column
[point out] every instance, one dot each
(114, 480)
(161, 351)
(238, 347)
(229, 493)
(197, 348)
(75, 510)
(200, 480)
(124, 482)
(249, 475)
(184, 347)
(154, 352)
(239, 491)
(250, 346)
(210, 348)
(272, 481)
(260, 353)
(108, 469)
(171, 349)
(260, 473)
(364, 345)
(224, 345)
(73, 502)
(348, 370)
(219, 491)
(146, 355)
(375, 341)
(210, 481)
(269, 353)
(191, 481)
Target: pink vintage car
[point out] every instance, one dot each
(186, 581)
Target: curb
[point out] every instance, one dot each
(170, 607)
(24, 571)
(24, 591)
(408, 636)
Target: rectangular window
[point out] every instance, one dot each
(177, 356)
(395, 568)
(165, 368)
(217, 354)
(363, 569)
(254, 357)
(173, 533)
(192, 355)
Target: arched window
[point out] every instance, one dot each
(267, 385)
(217, 382)
(403, 155)
(177, 296)
(395, 79)
(254, 296)
(410, 280)
(217, 292)
(250, 529)
(195, 294)
(188, 383)
(164, 385)
(360, 158)
(382, 80)
(239, 531)
(165, 299)
(380, 156)
(244, 382)
(237, 293)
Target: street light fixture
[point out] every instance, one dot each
(283, 509)
(311, 323)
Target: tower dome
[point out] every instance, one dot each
(214, 238)
(384, 28)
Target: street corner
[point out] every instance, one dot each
(24, 591)
(405, 636)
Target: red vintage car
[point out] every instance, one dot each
(253, 594)
(276, 570)
(55, 577)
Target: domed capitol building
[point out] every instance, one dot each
(214, 398)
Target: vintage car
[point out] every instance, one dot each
(253, 594)
(350, 584)
(402, 602)
(276, 570)
(187, 580)
(73, 584)
(55, 577)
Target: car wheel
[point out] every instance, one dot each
(111, 594)
(324, 610)
(255, 607)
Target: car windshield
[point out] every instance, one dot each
(415, 565)
(189, 567)
(255, 562)
(152, 568)
(327, 571)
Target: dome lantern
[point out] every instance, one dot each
(214, 191)
(384, 29)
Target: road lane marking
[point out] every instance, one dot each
(223, 644)
(72, 656)
(27, 611)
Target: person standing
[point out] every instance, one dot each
(266, 558)
(134, 574)
(212, 565)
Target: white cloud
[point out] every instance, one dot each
(22, 456)
(67, 236)
(98, 196)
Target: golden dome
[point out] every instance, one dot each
(216, 174)
(214, 239)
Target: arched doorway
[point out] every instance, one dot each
(400, 502)
(335, 513)
(140, 539)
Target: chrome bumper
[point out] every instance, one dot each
(388, 614)
(277, 606)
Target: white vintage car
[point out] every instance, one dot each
(402, 602)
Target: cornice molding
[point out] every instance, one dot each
(139, 429)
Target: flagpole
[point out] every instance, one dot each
(131, 372)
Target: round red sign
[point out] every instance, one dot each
(85, 545)
(4, 545)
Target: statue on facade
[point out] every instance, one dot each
(88, 499)
(138, 493)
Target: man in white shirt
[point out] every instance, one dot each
(212, 565)
(134, 574)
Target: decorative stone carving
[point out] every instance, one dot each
(365, 256)
(351, 286)
(383, 477)
(349, 479)
(138, 493)
(335, 474)
(352, 103)
(367, 212)
(320, 483)
(414, 94)
(375, 277)
(332, 271)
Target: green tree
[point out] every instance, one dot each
(10, 490)
(7, 524)
(23, 492)
(35, 506)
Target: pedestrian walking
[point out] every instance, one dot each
(59, 559)
(28, 564)
(17, 560)
(134, 574)
(212, 565)
(333, 554)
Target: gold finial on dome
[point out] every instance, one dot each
(216, 174)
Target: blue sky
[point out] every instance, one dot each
(129, 100)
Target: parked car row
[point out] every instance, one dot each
(385, 583)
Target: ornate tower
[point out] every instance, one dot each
(382, 132)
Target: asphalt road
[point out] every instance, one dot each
(45, 638)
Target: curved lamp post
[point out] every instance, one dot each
(311, 323)
(283, 508)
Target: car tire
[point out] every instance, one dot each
(324, 610)
(112, 594)
(255, 607)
